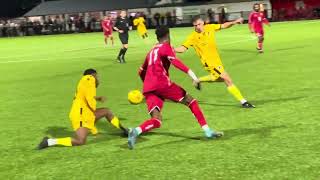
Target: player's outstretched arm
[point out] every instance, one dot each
(230, 24)
(180, 49)
(179, 65)
(265, 21)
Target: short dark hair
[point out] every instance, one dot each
(162, 31)
(89, 72)
(196, 18)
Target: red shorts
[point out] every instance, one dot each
(259, 33)
(107, 33)
(155, 99)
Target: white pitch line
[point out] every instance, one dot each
(56, 52)
(77, 58)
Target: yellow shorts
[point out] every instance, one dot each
(82, 117)
(142, 31)
(215, 71)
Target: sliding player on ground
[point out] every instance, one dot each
(256, 21)
(157, 87)
(84, 114)
(204, 43)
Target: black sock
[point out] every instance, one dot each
(124, 51)
(120, 52)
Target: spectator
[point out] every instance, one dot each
(23, 28)
(174, 17)
(211, 15)
(1, 27)
(223, 15)
(169, 19)
(69, 24)
(156, 17)
(162, 18)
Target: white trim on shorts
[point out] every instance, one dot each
(154, 107)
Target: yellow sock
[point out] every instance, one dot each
(236, 93)
(94, 130)
(208, 78)
(115, 122)
(64, 141)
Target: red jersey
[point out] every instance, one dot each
(256, 20)
(107, 25)
(155, 70)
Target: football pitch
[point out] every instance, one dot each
(277, 140)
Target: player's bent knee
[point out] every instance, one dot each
(191, 102)
(156, 114)
(187, 99)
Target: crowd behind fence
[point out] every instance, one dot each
(80, 24)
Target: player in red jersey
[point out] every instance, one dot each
(107, 26)
(157, 87)
(256, 21)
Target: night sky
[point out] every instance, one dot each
(15, 8)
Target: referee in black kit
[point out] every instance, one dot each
(122, 26)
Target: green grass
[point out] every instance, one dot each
(277, 140)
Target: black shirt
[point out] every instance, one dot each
(122, 24)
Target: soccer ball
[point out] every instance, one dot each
(135, 97)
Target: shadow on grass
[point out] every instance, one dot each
(290, 48)
(253, 51)
(266, 101)
(229, 134)
(219, 104)
(59, 132)
(56, 131)
(255, 102)
(262, 132)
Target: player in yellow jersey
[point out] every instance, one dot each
(139, 22)
(203, 41)
(84, 113)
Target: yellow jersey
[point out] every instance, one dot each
(141, 27)
(205, 45)
(84, 102)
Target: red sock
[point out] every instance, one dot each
(150, 124)
(195, 109)
(260, 45)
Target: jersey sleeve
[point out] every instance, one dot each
(169, 53)
(188, 42)
(135, 22)
(250, 19)
(117, 23)
(264, 19)
(214, 27)
(250, 22)
(143, 69)
(102, 25)
(90, 92)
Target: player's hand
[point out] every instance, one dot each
(101, 99)
(239, 21)
(120, 31)
(196, 84)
